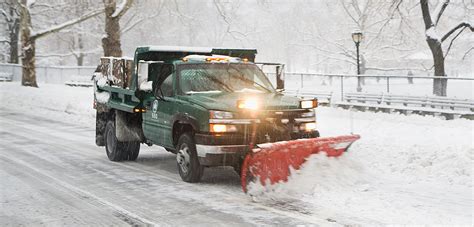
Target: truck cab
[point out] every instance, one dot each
(208, 106)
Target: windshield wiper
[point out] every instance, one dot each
(248, 80)
(225, 86)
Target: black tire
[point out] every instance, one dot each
(132, 149)
(119, 151)
(187, 160)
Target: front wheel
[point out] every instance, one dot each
(186, 156)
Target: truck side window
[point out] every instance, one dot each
(167, 86)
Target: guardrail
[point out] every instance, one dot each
(417, 85)
(450, 108)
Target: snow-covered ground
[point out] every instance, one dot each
(404, 169)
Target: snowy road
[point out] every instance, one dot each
(52, 173)
(404, 170)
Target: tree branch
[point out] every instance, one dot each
(128, 28)
(461, 25)
(467, 53)
(392, 69)
(7, 18)
(66, 24)
(440, 9)
(452, 41)
(425, 10)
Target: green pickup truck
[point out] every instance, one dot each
(209, 106)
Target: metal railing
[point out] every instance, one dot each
(338, 84)
(461, 87)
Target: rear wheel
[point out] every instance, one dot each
(132, 149)
(187, 160)
(119, 151)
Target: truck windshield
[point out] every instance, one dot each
(217, 78)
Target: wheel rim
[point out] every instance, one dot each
(110, 141)
(183, 158)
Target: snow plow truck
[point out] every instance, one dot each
(210, 107)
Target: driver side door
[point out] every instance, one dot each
(160, 108)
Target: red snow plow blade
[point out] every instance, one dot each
(270, 163)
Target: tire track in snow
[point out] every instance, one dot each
(119, 212)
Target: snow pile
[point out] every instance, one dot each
(59, 102)
(404, 170)
(146, 86)
(100, 79)
(102, 97)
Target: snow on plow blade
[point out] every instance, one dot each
(270, 163)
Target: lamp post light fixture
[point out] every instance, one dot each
(357, 38)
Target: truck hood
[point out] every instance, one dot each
(228, 101)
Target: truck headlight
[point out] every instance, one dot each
(215, 114)
(222, 128)
(308, 127)
(249, 103)
(309, 104)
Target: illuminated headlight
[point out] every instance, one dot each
(214, 114)
(309, 104)
(250, 103)
(308, 127)
(222, 128)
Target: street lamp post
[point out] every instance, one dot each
(357, 38)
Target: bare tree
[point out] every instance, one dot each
(11, 14)
(29, 37)
(113, 12)
(435, 41)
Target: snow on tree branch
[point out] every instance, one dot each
(66, 24)
(122, 8)
(7, 18)
(432, 34)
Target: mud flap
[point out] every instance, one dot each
(271, 163)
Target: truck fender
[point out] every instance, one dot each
(183, 119)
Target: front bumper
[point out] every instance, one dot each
(229, 150)
(223, 155)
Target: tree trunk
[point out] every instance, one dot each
(28, 63)
(111, 42)
(14, 28)
(81, 55)
(439, 85)
(14, 34)
(27, 48)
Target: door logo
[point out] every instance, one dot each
(154, 110)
